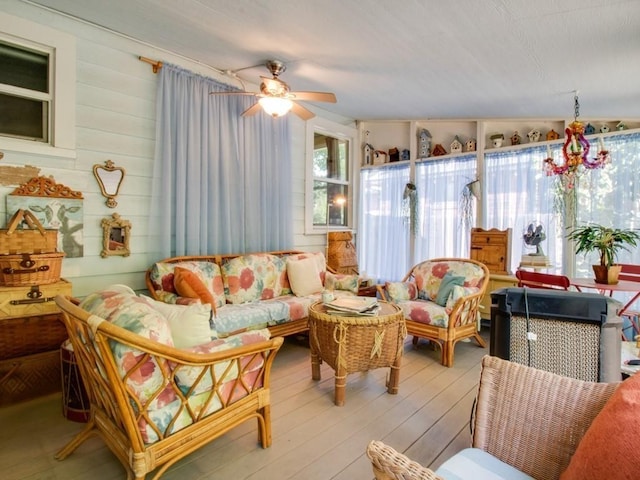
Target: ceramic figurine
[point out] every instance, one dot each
(424, 143)
(405, 155)
(470, 145)
(552, 135)
(515, 138)
(456, 145)
(533, 135)
(589, 129)
(604, 128)
(438, 150)
(497, 139)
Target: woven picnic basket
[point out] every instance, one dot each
(35, 239)
(30, 269)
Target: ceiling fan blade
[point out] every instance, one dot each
(302, 112)
(314, 96)
(252, 110)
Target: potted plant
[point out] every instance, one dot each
(607, 242)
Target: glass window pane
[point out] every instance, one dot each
(329, 201)
(24, 68)
(330, 157)
(23, 117)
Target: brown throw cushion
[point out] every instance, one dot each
(189, 285)
(609, 448)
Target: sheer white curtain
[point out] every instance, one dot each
(441, 229)
(517, 192)
(221, 182)
(383, 230)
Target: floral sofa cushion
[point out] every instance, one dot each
(253, 277)
(235, 318)
(162, 278)
(340, 281)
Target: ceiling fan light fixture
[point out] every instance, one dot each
(276, 106)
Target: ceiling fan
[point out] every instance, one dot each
(277, 99)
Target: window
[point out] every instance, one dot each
(37, 88)
(330, 185)
(24, 92)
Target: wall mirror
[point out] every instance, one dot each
(115, 236)
(109, 178)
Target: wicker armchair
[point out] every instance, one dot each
(152, 429)
(442, 324)
(535, 434)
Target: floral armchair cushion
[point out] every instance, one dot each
(253, 277)
(428, 276)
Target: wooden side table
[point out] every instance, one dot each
(352, 344)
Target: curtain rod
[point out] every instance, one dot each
(155, 64)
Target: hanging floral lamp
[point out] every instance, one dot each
(575, 152)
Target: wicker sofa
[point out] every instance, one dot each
(526, 424)
(253, 290)
(440, 300)
(153, 403)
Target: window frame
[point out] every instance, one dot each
(61, 48)
(341, 132)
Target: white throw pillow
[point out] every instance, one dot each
(304, 276)
(189, 324)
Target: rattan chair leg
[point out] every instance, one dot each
(70, 447)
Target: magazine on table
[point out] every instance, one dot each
(353, 306)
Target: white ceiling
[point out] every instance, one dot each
(408, 59)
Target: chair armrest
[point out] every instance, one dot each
(389, 464)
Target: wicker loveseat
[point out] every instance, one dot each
(253, 290)
(440, 300)
(153, 403)
(526, 424)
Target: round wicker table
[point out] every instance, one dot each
(352, 344)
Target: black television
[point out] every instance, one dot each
(569, 333)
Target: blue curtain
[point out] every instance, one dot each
(222, 182)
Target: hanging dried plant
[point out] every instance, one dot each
(410, 207)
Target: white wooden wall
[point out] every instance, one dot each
(115, 111)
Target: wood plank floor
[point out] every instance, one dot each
(312, 438)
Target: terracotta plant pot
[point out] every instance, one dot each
(606, 275)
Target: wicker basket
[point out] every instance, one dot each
(29, 377)
(30, 269)
(35, 239)
(358, 344)
(24, 336)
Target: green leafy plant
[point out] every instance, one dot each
(606, 241)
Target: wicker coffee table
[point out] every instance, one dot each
(356, 344)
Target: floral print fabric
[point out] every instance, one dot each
(338, 281)
(249, 278)
(162, 278)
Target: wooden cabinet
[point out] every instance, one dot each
(31, 332)
(496, 282)
(493, 248)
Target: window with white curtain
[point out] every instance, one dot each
(442, 230)
(516, 193)
(383, 230)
